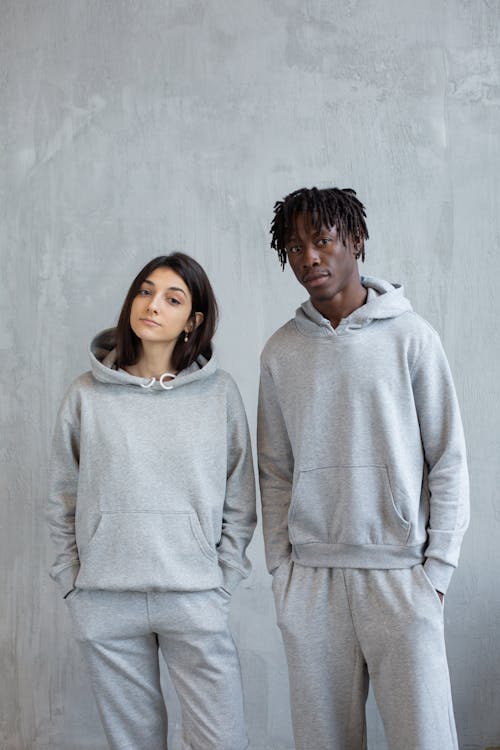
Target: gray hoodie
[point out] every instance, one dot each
(361, 449)
(150, 489)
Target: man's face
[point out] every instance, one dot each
(322, 263)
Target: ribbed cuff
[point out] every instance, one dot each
(439, 573)
(66, 578)
(231, 577)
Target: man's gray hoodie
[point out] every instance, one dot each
(150, 489)
(361, 449)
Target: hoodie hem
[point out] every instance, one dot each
(322, 555)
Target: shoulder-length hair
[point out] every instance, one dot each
(128, 345)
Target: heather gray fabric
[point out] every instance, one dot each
(341, 625)
(150, 489)
(119, 635)
(361, 448)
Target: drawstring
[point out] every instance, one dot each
(167, 375)
(165, 387)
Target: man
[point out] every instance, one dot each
(364, 489)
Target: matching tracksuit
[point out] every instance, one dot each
(151, 508)
(364, 490)
(365, 501)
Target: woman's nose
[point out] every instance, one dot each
(153, 304)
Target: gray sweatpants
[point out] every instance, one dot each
(341, 627)
(120, 633)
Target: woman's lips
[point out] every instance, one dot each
(149, 322)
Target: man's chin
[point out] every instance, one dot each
(320, 295)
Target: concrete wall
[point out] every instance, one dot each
(129, 129)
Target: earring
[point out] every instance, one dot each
(186, 337)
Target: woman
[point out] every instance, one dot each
(151, 508)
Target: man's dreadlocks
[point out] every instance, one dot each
(329, 207)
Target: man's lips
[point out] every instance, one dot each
(314, 276)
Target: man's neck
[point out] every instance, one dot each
(342, 304)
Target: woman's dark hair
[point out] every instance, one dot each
(329, 207)
(203, 299)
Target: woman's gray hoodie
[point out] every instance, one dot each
(361, 449)
(150, 489)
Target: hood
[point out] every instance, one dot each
(102, 355)
(385, 300)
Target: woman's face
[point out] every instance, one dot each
(161, 311)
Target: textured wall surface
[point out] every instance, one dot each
(129, 129)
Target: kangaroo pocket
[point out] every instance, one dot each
(140, 551)
(346, 505)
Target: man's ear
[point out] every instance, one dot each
(357, 246)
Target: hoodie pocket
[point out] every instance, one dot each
(346, 505)
(140, 551)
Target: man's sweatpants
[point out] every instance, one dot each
(342, 627)
(119, 634)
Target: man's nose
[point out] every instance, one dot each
(311, 255)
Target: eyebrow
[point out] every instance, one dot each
(170, 288)
(323, 229)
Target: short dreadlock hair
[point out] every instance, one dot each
(329, 207)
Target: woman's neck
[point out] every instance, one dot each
(153, 362)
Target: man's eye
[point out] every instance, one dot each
(323, 241)
(293, 250)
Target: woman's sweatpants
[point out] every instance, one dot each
(120, 633)
(342, 627)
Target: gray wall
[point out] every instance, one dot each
(129, 129)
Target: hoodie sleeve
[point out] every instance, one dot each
(445, 455)
(275, 472)
(239, 513)
(63, 484)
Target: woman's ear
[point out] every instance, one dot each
(196, 320)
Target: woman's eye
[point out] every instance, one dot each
(143, 292)
(293, 250)
(323, 241)
(174, 301)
